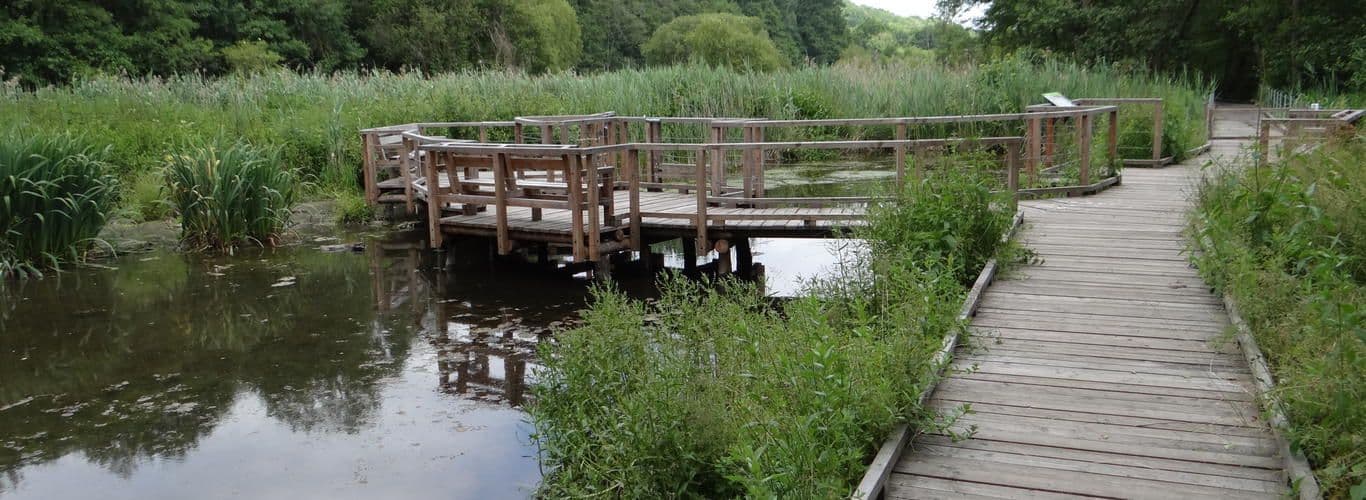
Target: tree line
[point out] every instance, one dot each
(1288, 44)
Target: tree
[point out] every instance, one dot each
(714, 39)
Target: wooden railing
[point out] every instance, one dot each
(578, 162)
(1297, 127)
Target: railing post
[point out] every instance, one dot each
(718, 161)
(701, 178)
(1157, 131)
(655, 134)
(1083, 122)
(594, 182)
(1050, 144)
(900, 155)
(518, 134)
(1034, 149)
(633, 164)
(404, 165)
(435, 198)
(500, 174)
(759, 163)
(571, 174)
(1112, 139)
(1013, 169)
(368, 169)
(748, 162)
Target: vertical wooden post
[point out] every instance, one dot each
(518, 134)
(700, 172)
(633, 165)
(1083, 122)
(483, 135)
(1050, 143)
(654, 133)
(759, 163)
(1033, 150)
(594, 208)
(1112, 139)
(744, 257)
(571, 169)
(368, 169)
(435, 199)
(747, 162)
(689, 255)
(405, 161)
(718, 162)
(1013, 169)
(900, 155)
(500, 178)
(1157, 132)
(723, 264)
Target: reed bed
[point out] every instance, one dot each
(57, 194)
(232, 195)
(312, 119)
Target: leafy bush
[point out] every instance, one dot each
(229, 196)
(715, 39)
(1288, 243)
(57, 195)
(714, 392)
(251, 57)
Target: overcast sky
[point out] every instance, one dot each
(921, 8)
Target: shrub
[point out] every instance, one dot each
(1288, 243)
(57, 195)
(251, 57)
(715, 392)
(229, 196)
(715, 39)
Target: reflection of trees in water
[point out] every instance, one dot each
(143, 361)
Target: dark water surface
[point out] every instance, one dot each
(290, 374)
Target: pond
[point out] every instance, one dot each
(291, 373)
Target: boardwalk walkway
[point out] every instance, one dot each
(1102, 371)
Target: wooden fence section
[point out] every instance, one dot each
(1100, 370)
(597, 184)
(1297, 128)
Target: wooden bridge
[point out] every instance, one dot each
(595, 185)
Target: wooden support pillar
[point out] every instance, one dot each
(405, 158)
(1157, 131)
(1013, 170)
(689, 255)
(575, 189)
(518, 134)
(368, 169)
(759, 163)
(594, 181)
(654, 133)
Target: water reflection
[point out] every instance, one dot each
(392, 372)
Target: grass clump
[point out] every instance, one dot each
(227, 196)
(717, 392)
(1288, 243)
(56, 194)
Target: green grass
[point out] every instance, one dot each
(1288, 242)
(313, 119)
(713, 391)
(55, 196)
(227, 196)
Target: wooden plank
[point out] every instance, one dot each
(1060, 481)
(909, 486)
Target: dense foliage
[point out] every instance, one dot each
(713, 39)
(56, 193)
(1288, 242)
(228, 196)
(714, 393)
(1284, 44)
(881, 35)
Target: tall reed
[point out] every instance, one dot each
(231, 195)
(57, 194)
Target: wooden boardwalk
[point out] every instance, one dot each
(1103, 370)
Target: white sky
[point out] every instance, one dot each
(920, 8)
